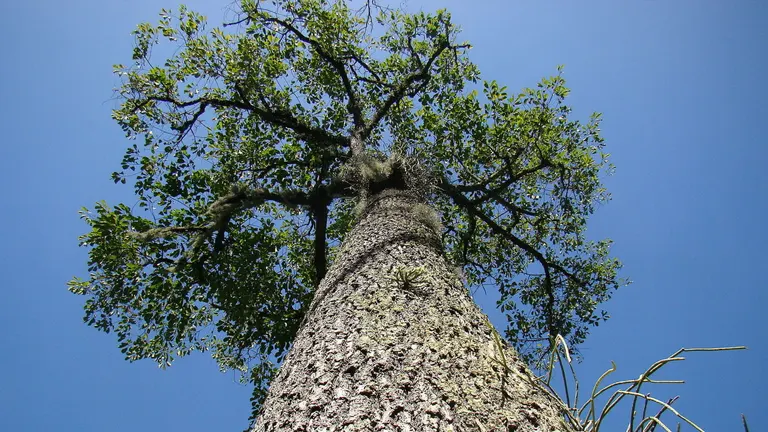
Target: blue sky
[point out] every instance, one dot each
(680, 83)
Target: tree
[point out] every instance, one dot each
(317, 187)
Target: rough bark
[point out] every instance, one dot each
(377, 353)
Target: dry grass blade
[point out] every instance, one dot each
(560, 342)
(591, 401)
(664, 404)
(647, 423)
(652, 427)
(653, 421)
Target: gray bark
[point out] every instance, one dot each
(382, 351)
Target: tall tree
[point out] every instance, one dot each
(318, 186)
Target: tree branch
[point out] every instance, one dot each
(163, 232)
(377, 78)
(464, 202)
(514, 208)
(320, 213)
(480, 187)
(401, 90)
(249, 198)
(353, 105)
(368, 8)
(467, 238)
(321, 199)
(281, 119)
(221, 211)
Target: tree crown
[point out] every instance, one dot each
(253, 142)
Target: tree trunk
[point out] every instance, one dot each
(394, 342)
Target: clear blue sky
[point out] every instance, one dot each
(682, 88)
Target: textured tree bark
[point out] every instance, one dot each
(380, 352)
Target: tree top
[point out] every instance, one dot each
(241, 136)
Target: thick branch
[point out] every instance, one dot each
(321, 200)
(320, 213)
(401, 90)
(222, 210)
(282, 119)
(462, 201)
(163, 232)
(249, 198)
(353, 105)
(470, 207)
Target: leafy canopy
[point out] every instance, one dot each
(239, 134)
